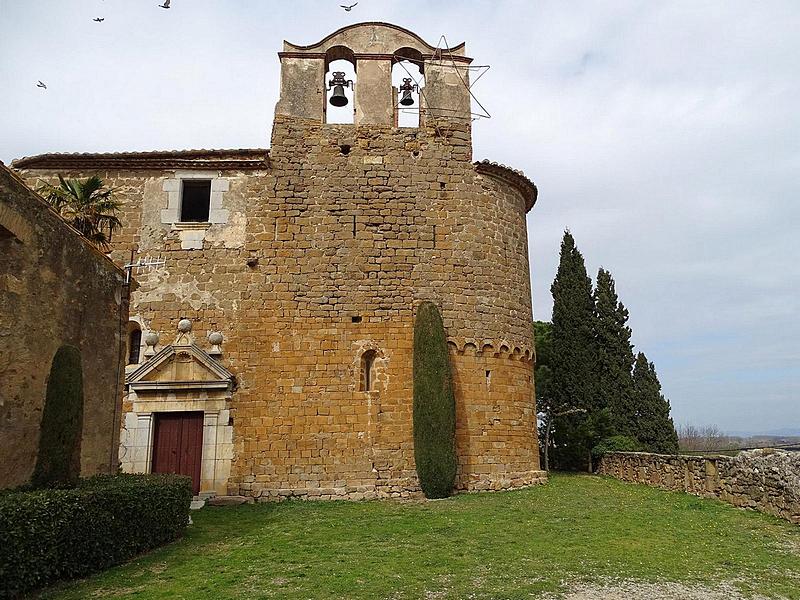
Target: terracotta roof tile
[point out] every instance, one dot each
(514, 177)
(241, 158)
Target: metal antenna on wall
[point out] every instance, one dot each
(442, 51)
(142, 265)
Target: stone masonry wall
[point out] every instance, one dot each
(765, 480)
(55, 289)
(326, 254)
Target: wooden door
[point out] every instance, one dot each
(178, 444)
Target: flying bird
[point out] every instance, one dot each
(99, 19)
(348, 8)
(41, 85)
(165, 5)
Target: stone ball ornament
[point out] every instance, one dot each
(215, 338)
(151, 338)
(184, 325)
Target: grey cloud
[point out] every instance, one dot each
(664, 135)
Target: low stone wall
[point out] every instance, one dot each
(766, 480)
(407, 488)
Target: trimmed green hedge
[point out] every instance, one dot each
(434, 405)
(53, 534)
(58, 462)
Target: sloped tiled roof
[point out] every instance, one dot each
(513, 177)
(242, 158)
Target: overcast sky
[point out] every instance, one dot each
(664, 135)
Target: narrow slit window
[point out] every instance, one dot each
(195, 200)
(134, 345)
(368, 370)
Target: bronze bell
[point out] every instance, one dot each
(337, 97)
(407, 88)
(338, 83)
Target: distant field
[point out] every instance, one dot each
(577, 530)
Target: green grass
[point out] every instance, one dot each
(490, 545)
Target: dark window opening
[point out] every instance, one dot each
(7, 243)
(195, 201)
(5, 234)
(134, 346)
(368, 370)
(344, 149)
(356, 319)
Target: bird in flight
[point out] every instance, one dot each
(99, 19)
(41, 85)
(348, 8)
(165, 5)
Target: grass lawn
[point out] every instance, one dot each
(489, 545)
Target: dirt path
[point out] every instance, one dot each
(629, 590)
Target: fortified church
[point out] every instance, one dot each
(270, 340)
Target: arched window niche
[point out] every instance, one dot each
(340, 59)
(408, 64)
(368, 371)
(134, 343)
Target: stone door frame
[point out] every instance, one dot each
(150, 394)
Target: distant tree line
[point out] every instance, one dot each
(704, 438)
(710, 438)
(593, 394)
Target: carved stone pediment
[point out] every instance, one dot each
(180, 367)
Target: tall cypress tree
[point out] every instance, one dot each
(434, 407)
(59, 459)
(655, 429)
(572, 382)
(614, 357)
(542, 376)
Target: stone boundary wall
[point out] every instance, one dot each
(766, 480)
(56, 289)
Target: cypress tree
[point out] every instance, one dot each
(572, 384)
(655, 429)
(614, 357)
(434, 410)
(542, 375)
(59, 459)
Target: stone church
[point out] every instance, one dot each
(270, 340)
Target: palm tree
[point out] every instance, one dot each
(86, 206)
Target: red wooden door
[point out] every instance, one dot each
(178, 444)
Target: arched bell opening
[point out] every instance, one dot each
(408, 80)
(340, 82)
